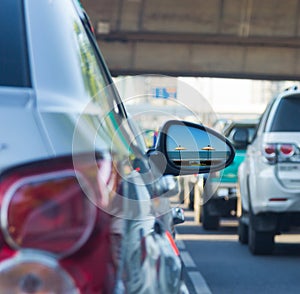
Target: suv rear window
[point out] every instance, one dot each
(287, 116)
(14, 68)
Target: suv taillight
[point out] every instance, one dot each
(45, 206)
(279, 152)
(286, 150)
(269, 152)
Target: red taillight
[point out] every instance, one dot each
(286, 150)
(279, 152)
(269, 151)
(47, 205)
(48, 212)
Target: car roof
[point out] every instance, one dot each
(245, 121)
(289, 92)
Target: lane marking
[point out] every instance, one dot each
(288, 238)
(199, 282)
(180, 244)
(206, 237)
(195, 276)
(187, 259)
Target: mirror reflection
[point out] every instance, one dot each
(189, 146)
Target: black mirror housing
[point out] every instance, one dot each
(185, 148)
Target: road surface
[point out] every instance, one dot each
(216, 263)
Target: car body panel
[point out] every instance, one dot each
(266, 181)
(220, 197)
(66, 120)
(270, 186)
(72, 109)
(229, 174)
(228, 177)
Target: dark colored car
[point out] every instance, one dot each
(219, 196)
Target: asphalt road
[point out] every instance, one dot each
(216, 263)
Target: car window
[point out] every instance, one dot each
(251, 132)
(14, 65)
(104, 92)
(287, 116)
(91, 70)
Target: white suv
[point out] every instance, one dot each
(269, 178)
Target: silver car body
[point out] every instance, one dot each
(71, 108)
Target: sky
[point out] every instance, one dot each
(242, 96)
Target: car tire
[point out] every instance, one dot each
(260, 243)
(243, 232)
(209, 222)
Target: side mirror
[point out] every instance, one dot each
(186, 148)
(178, 215)
(241, 138)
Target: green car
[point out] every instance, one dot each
(219, 197)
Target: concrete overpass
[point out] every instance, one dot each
(221, 38)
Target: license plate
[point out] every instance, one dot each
(289, 168)
(289, 172)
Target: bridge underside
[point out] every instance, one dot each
(222, 38)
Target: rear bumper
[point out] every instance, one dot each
(221, 190)
(271, 196)
(220, 198)
(276, 222)
(222, 206)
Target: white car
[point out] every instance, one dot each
(84, 204)
(269, 178)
